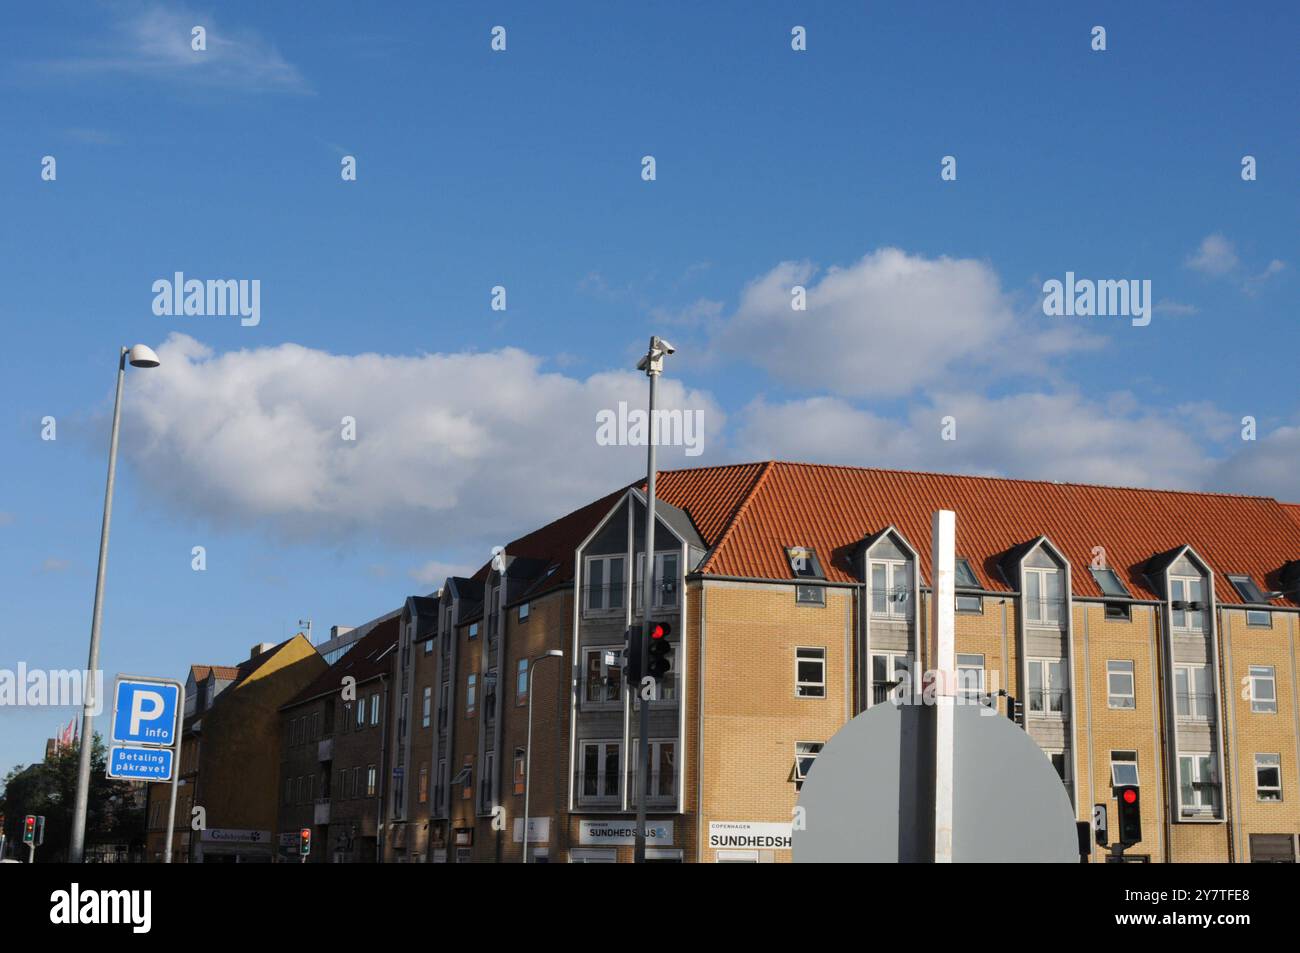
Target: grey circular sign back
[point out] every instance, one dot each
(868, 795)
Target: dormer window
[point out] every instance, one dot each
(891, 588)
(1251, 595)
(1187, 603)
(1043, 595)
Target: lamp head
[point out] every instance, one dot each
(142, 355)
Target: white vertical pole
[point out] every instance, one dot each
(942, 651)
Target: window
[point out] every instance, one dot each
(486, 795)
(1197, 784)
(1119, 684)
(605, 583)
(1060, 762)
(521, 682)
(1123, 768)
(966, 579)
(805, 753)
(1043, 596)
(428, 706)
(471, 694)
(598, 778)
(1185, 601)
(804, 562)
(810, 595)
(521, 757)
(891, 588)
(1193, 693)
(1109, 582)
(1251, 595)
(288, 791)
(1119, 611)
(361, 712)
(663, 777)
(891, 676)
(523, 611)
(473, 630)
(438, 784)
(428, 646)
(356, 781)
(1046, 687)
(604, 675)
(371, 780)
(424, 784)
(1268, 777)
(970, 678)
(374, 708)
(810, 673)
(665, 582)
(465, 778)
(1263, 690)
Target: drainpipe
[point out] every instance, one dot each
(383, 768)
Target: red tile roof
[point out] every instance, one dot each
(1292, 510)
(748, 514)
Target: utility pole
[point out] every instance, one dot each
(653, 365)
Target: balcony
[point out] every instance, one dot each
(322, 815)
(325, 749)
(1048, 702)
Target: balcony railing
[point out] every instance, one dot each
(880, 691)
(1194, 706)
(1047, 701)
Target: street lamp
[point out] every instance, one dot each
(653, 365)
(141, 355)
(528, 752)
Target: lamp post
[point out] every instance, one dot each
(138, 356)
(653, 365)
(528, 752)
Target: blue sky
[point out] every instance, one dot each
(523, 169)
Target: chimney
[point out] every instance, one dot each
(259, 648)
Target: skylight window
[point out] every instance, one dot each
(1247, 589)
(966, 575)
(1110, 583)
(804, 563)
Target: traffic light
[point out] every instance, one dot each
(660, 650)
(40, 829)
(632, 656)
(1015, 710)
(304, 841)
(1129, 814)
(29, 829)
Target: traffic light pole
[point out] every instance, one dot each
(643, 749)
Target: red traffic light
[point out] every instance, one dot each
(1130, 796)
(661, 630)
(304, 841)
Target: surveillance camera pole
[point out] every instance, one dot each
(653, 365)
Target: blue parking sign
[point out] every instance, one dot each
(140, 764)
(144, 712)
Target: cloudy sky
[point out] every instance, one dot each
(522, 169)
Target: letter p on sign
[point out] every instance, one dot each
(139, 700)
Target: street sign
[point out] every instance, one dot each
(139, 764)
(146, 712)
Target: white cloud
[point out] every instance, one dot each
(1254, 282)
(1177, 309)
(451, 449)
(435, 572)
(1060, 436)
(1215, 257)
(154, 41)
(55, 565)
(1266, 466)
(889, 324)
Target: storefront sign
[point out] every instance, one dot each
(539, 830)
(745, 835)
(624, 832)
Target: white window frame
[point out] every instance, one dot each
(805, 751)
(1181, 620)
(1115, 780)
(427, 713)
(374, 709)
(588, 651)
(610, 601)
(1064, 773)
(522, 678)
(1049, 686)
(603, 745)
(895, 607)
(964, 691)
(1044, 611)
(1200, 761)
(524, 610)
(1257, 676)
(662, 599)
(1189, 673)
(892, 672)
(1121, 701)
(656, 772)
(471, 694)
(817, 689)
(1268, 762)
